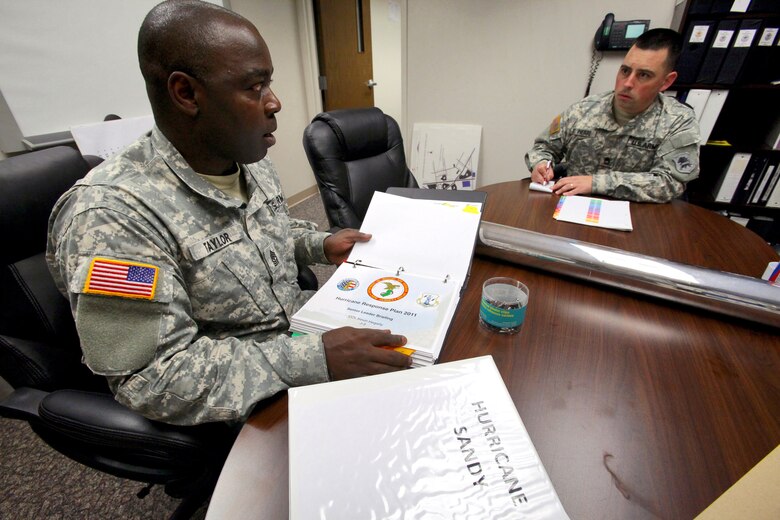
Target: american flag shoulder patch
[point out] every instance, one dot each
(121, 278)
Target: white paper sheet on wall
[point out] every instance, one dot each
(108, 138)
(445, 156)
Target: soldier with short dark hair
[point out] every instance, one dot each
(632, 143)
(179, 256)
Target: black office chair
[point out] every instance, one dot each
(355, 152)
(65, 404)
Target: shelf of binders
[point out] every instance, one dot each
(729, 72)
(746, 189)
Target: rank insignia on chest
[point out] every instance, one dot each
(274, 257)
(121, 278)
(277, 204)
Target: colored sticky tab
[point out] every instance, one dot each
(471, 209)
(402, 350)
(121, 278)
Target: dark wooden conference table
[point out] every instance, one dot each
(639, 408)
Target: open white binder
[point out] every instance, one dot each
(407, 278)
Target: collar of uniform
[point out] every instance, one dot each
(260, 184)
(607, 120)
(605, 116)
(186, 174)
(650, 112)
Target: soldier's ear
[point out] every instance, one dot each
(184, 91)
(669, 80)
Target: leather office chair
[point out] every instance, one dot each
(355, 152)
(65, 404)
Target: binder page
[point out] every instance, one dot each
(611, 214)
(433, 238)
(416, 306)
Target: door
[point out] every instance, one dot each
(344, 53)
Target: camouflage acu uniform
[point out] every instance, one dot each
(649, 159)
(209, 341)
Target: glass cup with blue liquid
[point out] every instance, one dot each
(504, 301)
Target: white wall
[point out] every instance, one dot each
(278, 23)
(386, 54)
(508, 65)
(276, 20)
(282, 26)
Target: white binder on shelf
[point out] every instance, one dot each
(709, 115)
(407, 278)
(773, 200)
(730, 179)
(771, 184)
(697, 99)
(444, 441)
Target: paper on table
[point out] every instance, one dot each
(546, 187)
(611, 214)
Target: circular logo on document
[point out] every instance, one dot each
(428, 300)
(347, 284)
(388, 289)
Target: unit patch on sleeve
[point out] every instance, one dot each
(121, 278)
(684, 163)
(555, 126)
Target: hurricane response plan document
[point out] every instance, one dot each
(407, 278)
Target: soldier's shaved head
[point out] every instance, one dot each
(181, 35)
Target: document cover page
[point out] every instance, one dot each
(417, 307)
(443, 441)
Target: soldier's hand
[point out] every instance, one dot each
(542, 173)
(339, 245)
(576, 185)
(352, 352)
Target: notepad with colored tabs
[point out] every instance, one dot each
(610, 214)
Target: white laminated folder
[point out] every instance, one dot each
(407, 278)
(444, 441)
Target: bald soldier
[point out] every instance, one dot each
(179, 256)
(632, 143)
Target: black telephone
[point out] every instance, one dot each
(612, 35)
